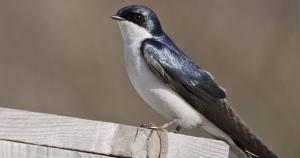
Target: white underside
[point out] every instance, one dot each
(154, 92)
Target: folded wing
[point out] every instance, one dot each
(198, 88)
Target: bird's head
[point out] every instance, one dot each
(135, 20)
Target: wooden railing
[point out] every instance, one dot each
(26, 134)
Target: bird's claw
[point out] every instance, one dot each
(149, 125)
(153, 126)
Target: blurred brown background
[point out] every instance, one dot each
(66, 57)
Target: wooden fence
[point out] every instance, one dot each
(26, 134)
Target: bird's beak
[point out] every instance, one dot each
(116, 17)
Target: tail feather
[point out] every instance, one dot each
(251, 145)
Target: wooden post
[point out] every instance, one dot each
(35, 135)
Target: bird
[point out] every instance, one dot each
(177, 88)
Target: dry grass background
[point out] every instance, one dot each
(66, 57)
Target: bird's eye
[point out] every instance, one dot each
(138, 18)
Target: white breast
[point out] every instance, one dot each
(160, 97)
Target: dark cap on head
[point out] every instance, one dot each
(142, 16)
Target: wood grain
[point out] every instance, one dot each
(100, 138)
(20, 150)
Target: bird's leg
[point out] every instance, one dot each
(151, 125)
(166, 125)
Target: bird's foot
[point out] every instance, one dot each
(149, 125)
(153, 126)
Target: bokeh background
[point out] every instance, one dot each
(66, 57)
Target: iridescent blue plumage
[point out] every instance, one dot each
(196, 86)
(189, 81)
(151, 22)
(181, 68)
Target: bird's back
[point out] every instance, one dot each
(218, 112)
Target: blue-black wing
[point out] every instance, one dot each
(197, 87)
(181, 69)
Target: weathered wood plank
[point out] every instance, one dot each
(103, 138)
(20, 150)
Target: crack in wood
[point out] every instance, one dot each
(134, 140)
(160, 144)
(77, 150)
(147, 143)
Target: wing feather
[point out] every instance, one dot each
(198, 88)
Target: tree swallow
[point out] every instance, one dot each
(176, 87)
